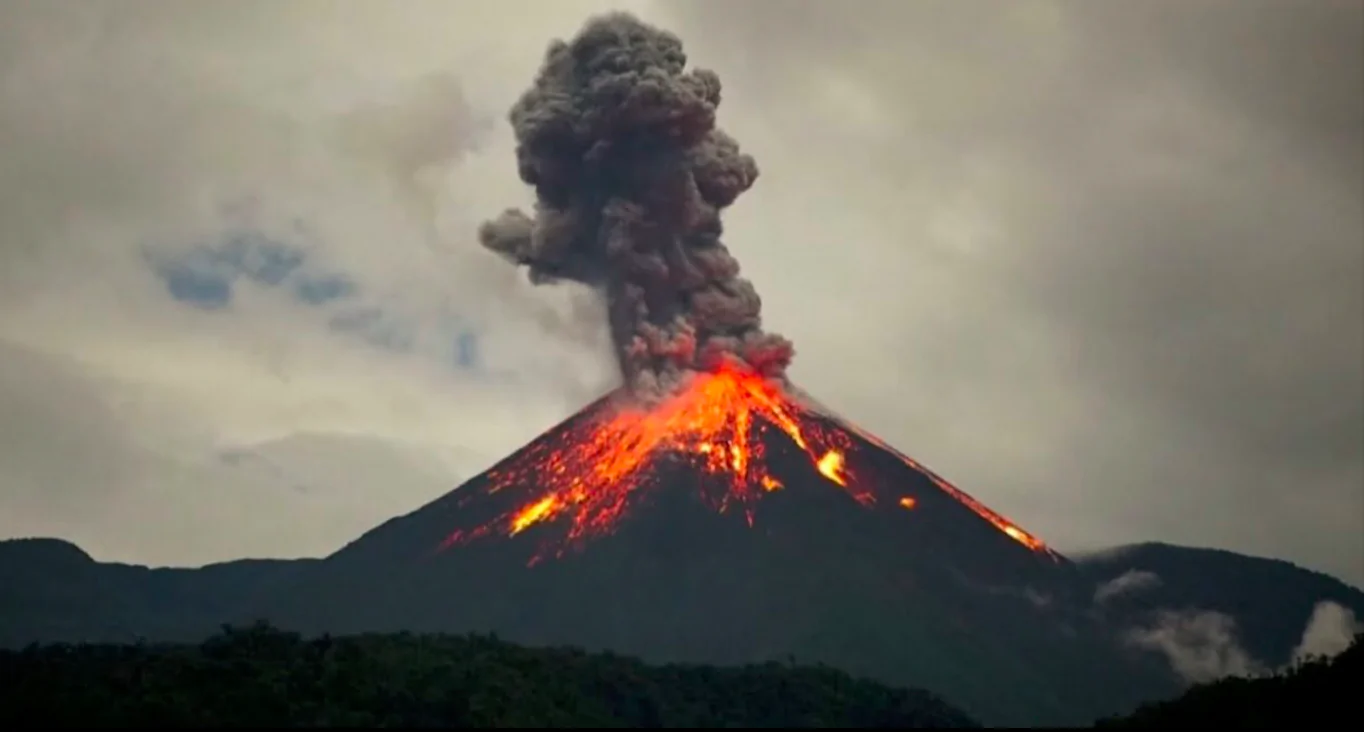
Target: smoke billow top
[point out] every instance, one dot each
(631, 174)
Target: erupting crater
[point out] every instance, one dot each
(589, 476)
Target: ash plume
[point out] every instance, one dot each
(631, 174)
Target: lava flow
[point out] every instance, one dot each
(588, 476)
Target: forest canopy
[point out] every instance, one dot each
(261, 676)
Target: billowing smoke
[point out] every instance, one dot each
(631, 174)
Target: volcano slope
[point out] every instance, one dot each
(732, 523)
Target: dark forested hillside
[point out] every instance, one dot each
(1317, 690)
(52, 591)
(1271, 600)
(260, 676)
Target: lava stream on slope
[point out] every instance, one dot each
(588, 476)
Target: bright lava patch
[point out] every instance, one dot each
(587, 479)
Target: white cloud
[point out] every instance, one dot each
(1129, 582)
(1330, 631)
(1200, 645)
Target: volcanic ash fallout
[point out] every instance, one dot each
(631, 174)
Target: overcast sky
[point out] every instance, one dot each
(1100, 264)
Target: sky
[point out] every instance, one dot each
(1099, 264)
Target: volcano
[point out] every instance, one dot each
(708, 510)
(738, 521)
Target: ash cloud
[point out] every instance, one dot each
(631, 174)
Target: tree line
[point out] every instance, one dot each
(262, 676)
(259, 676)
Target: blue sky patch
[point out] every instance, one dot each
(321, 289)
(377, 327)
(197, 286)
(466, 349)
(205, 276)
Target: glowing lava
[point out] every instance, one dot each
(981, 510)
(831, 467)
(588, 476)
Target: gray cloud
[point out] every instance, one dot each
(1115, 251)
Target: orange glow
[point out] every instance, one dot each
(533, 513)
(588, 475)
(999, 522)
(831, 467)
(908, 502)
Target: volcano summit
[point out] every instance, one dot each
(718, 428)
(708, 510)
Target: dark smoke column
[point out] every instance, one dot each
(631, 174)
